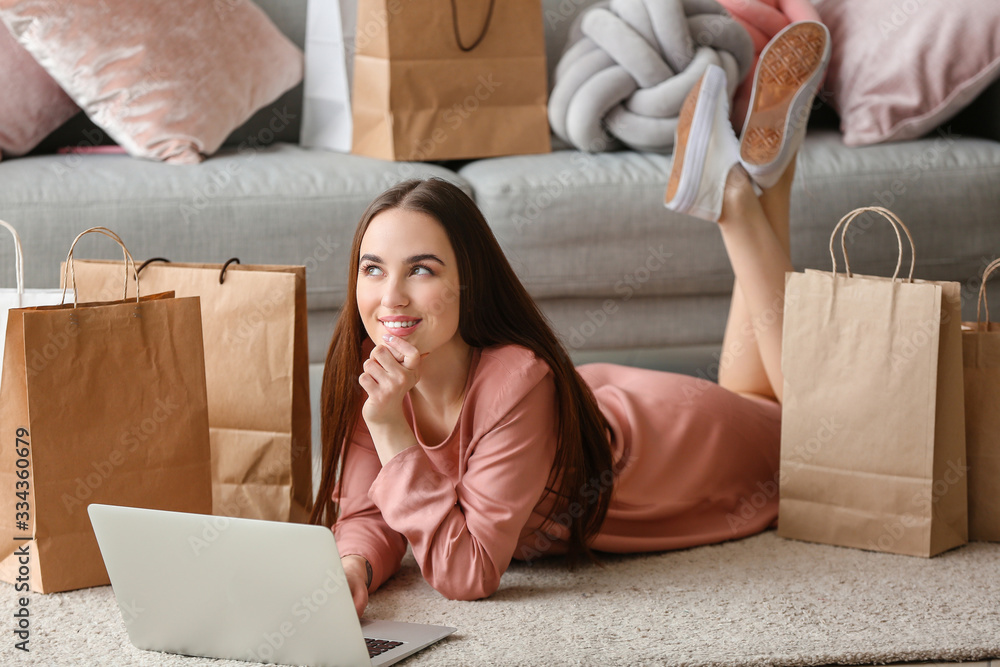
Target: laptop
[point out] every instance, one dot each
(243, 589)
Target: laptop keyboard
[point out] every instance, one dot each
(380, 646)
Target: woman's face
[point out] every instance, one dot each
(408, 283)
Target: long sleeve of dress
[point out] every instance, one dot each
(463, 525)
(360, 528)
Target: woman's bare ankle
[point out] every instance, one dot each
(738, 192)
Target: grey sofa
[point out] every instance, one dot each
(620, 277)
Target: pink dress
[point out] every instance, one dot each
(696, 464)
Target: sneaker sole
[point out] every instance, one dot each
(783, 70)
(694, 128)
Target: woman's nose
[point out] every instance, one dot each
(394, 295)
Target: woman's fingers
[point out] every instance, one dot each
(384, 374)
(368, 383)
(403, 352)
(376, 369)
(384, 357)
(360, 601)
(400, 363)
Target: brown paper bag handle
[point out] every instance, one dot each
(71, 268)
(458, 36)
(225, 267)
(222, 273)
(150, 261)
(982, 303)
(896, 224)
(18, 261)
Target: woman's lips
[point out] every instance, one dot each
(400, 326)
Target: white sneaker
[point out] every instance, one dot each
(705, 149)
(788, 74)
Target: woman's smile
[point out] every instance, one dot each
(400, 325)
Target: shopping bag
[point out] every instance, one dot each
(981, 354)
(873, 421)
(19, 297)
(257, 372)
(100, 403)
(326, 101)
(440, 80)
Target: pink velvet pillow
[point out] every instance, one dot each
(31, 104)
(166, 79)
(900, 69)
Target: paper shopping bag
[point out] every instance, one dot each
(19, 297)
(257, 370)
(442, 80)
(326, 101)
(981, 354)
(100, 402)
(873, 422)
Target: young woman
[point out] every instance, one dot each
(458, 424)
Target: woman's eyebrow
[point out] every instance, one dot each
(416, 259)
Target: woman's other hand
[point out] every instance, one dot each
(356, 569)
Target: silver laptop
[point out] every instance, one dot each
(243, 589)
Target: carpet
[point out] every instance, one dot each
(758, 601)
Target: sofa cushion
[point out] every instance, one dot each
(278, 121)
(32, 103)
(578, 225)
(168, 81)
(593, 224)
(898, 71)
(278, 205)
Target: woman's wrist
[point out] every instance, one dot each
(391, 438)
(352, 561)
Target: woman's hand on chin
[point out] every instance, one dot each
(390, 371)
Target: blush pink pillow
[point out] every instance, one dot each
(900, 69)
(763, 19)
(31, 104)
(166, 79)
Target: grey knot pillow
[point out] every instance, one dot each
(629, 64)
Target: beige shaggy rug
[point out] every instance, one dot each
(759, 601)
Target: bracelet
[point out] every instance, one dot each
(368, 569)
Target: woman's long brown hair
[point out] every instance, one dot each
(494, 309)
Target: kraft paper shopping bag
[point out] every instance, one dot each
(257, 370)
(873, 422)
(101, 402)
(981, 354)
(440, 80)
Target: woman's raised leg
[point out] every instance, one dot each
(741, 367)
(758, 250)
